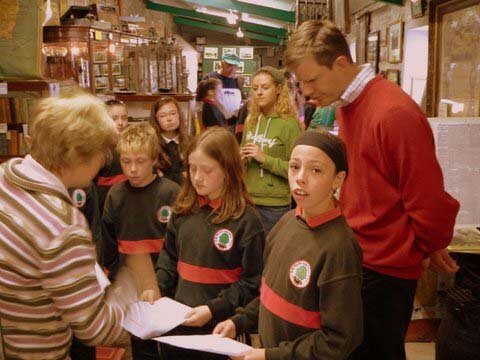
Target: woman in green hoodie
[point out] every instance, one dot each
(271, 129)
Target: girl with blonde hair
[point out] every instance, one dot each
(271, 129)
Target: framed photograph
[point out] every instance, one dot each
(241, 67)
(395, 42)
(104, 69)
(246, 53)
(217, 64)
(393, 75)
(229, 50)
(373, 49)
(116, 69)
(247, 80)
(417, 7)
(363, 23)
(100, 56)
(120, 82)
(96, 70)
(210, 53)
(101, 82)
(341, 15)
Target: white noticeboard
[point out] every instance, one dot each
(457, 143)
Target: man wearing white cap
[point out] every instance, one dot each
(232, 92)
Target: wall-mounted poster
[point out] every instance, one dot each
(210, 53)
(229, 50)
(217, 65)
(246, 53)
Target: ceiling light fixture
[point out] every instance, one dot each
(231, 17)
(240, 33)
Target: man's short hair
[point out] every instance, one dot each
(70, 129)
(318, 38)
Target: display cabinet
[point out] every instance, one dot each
(104, 61)
(108, 61)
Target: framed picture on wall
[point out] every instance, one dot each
(210, 53)
(116, 69)
(373, 48)
(241, 67)
(246, 53)
(229, 50)
(217, 65)
(417, 7)
(393, 75)
(100, 56)
(395, 42)
(247, 80)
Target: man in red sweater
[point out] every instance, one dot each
(394, 197)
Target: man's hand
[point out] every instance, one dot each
(226, 329)
(441, 262)
(199, 316)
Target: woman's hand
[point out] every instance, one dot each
(226, 329)
(199, 316)
(251, 150)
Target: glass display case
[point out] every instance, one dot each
(104, 61)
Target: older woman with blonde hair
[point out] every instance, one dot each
(49, 287)
(271, 128)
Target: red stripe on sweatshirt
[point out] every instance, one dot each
(140, 246)
(204, 275)
(287, 311)
(110, 180)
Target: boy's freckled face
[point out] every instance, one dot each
(138, 168)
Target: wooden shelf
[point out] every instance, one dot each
(28, 85)
(178, 97)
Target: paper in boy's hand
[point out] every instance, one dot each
(210, 343)
(146, 320)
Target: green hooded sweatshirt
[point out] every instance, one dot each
(268, 183)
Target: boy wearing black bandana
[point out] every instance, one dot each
(310, 298)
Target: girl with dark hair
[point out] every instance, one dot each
(209, 92)
(212, 255)
(168, 121)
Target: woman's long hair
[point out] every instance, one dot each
(219, 144)
(183, 138)
(283, 106)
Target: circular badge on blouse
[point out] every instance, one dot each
(164, 213)
(300, 273)
(79, 198)
(223, 239)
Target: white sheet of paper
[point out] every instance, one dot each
(101, 277)
(146, 320)
(211, 343)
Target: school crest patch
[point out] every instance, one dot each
(164, 213)
(300, 273)
(223, 239)
(79, 198)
